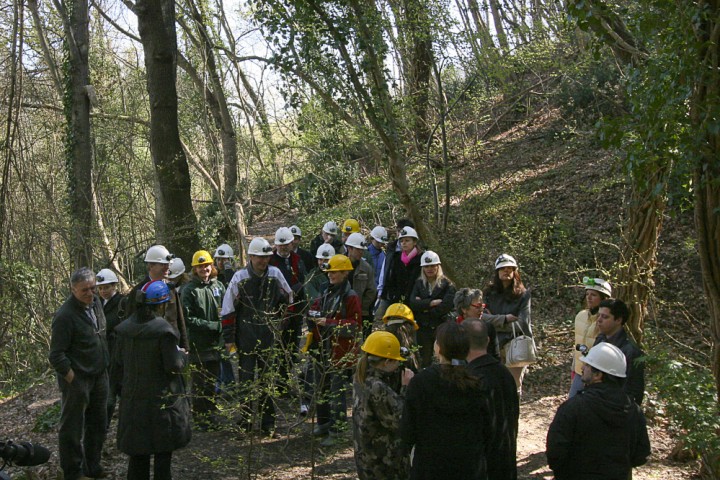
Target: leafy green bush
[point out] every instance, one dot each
(688, 394)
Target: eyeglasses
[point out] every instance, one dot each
(481, 306)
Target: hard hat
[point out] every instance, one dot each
(156, 292)
(283, 236)
(338, 263)
(598, 284)
(429, 258)
(224, 251)
(260, 247)
(325, 251)
(105, 276)
(296, 231)
(356, 240)
(408, 232)
(505, 260)
(380, 234)
(399, 310)
(383, 344)
(177, 268)
(201, 257)
(607, 358)
(351, 226)
(158, 254)
(330, 228)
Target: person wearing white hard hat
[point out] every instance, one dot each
(376, 249)
(431, 301)
(293, 269)
(596, 290)
(362, 278)
(507, 307)
(157, 261)
(107, 286)
(178, 276)
(251, 307)
(328, 234)
(400, 270)
(224, 257)
(613, 314)
(600, 433)
(305, 255)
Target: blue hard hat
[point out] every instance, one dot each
(156, 292)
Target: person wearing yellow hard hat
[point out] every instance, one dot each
(349, 227)
(335, 320)
(202, 299)
(400, 321)
(377, 409)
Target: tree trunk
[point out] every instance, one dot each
(639, 255)
(703, 107)
(78, 144)
(156, 24)
(499, 29)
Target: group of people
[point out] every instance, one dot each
(424, 361)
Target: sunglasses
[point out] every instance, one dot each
(481, 306)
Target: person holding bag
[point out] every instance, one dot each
(507, 305)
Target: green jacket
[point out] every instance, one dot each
(201, 304)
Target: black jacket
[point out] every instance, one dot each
(448, 427)
(635, 379)
(112, 319)
(398, 278)
(505, 407)
(425, 315)
(76, 342)
(154, 409)
(598, 434)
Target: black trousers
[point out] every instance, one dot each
(203, 375)
(83, 423)
(139, 467)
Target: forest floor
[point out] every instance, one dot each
(229, 454)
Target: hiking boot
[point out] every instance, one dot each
(321, 429)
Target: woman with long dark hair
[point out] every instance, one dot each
(507, 305)
(446, 419)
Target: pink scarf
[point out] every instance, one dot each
(405, 258)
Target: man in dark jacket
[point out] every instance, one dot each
(600, 433)
(612, 315)
(504, 402)
(79, 355)
(251, 313)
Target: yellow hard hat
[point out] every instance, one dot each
(201, 257)
(400, 310)
(351, 226)
(338, 263)
(383, 344)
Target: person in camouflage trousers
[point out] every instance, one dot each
(379, 454)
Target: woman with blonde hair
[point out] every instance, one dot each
(431, 301)
(377, 409)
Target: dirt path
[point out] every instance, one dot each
(229, 454)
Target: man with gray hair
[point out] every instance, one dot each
(79, 355)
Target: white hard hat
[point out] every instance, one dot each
(408, 232)
(598, 284)
(325, 251)
(429, 258)
(283, 236)
(177, 268)
(296, 231)
(356, 240)
(105, 276)
(158, 254)
(607, 358)
(330, 228)
(380, 234)
(224, 251)
(505, 260)
(260, 247)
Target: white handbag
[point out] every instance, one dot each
(521, 350)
